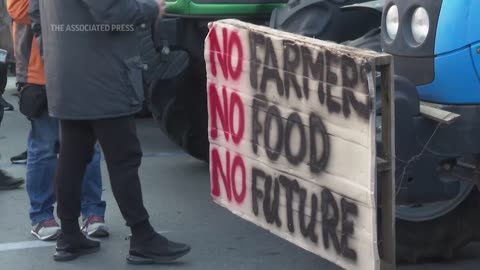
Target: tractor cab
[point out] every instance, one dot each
(436, 44)
(435, 47)
(436, 50)
(221, 8)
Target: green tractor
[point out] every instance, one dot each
(175, 80)
(437, 203)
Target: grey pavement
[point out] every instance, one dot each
(176, 192)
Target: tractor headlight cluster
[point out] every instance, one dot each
(392, 22)
(414, 26)
(420, 25)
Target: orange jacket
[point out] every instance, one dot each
(29, 63)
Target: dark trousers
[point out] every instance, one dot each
(123, 154)
(3, 77)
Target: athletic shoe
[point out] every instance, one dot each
(46, 230)
(70, 247)
(20, 158)
(6, 106)
(94, 226)
(156, 250)
(9, 182)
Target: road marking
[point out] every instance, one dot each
(164, 154)
(25, 245)
(7, 165)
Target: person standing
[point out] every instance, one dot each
(5, 44)
(6, 180)
(94, 78)
(43, 139)
(5, 105)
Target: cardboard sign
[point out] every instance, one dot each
(292, 132)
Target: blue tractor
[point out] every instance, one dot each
(436, 49)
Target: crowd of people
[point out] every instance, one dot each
(80, 91)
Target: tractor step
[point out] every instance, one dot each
(433, 112)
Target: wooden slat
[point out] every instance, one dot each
(387, 177)
(383, 59)
(437, 114)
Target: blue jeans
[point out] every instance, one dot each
(43, 144)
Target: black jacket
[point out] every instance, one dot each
(92, 56)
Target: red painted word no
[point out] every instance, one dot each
(228, 175)
(231, 43)
(226, 109)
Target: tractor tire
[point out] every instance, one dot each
(179, 124)
(178, 111)
(439, 238)
(175, 94)
(322, 19)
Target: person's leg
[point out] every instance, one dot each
(41, 162)
(123, 154)
(3, 77)
(7, 181)
(76, 150)
(93, 207)
(3, 83)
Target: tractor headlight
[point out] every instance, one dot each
(420, 25)
(392, 22)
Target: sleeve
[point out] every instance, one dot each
(122, 11)
(34, 11)
(18, 10)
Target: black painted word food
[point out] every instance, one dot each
(319, 150)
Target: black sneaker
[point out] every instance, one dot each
(9, 182)
(20, 158)
(156, 250)
(70, 247)
(6, 106)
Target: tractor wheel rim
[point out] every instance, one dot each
(430, 211)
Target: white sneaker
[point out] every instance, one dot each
(46, 230)
(94, 226)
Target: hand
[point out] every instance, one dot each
(161, 7)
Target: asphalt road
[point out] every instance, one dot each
(176, 192)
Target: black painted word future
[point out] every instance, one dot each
(336, 226)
